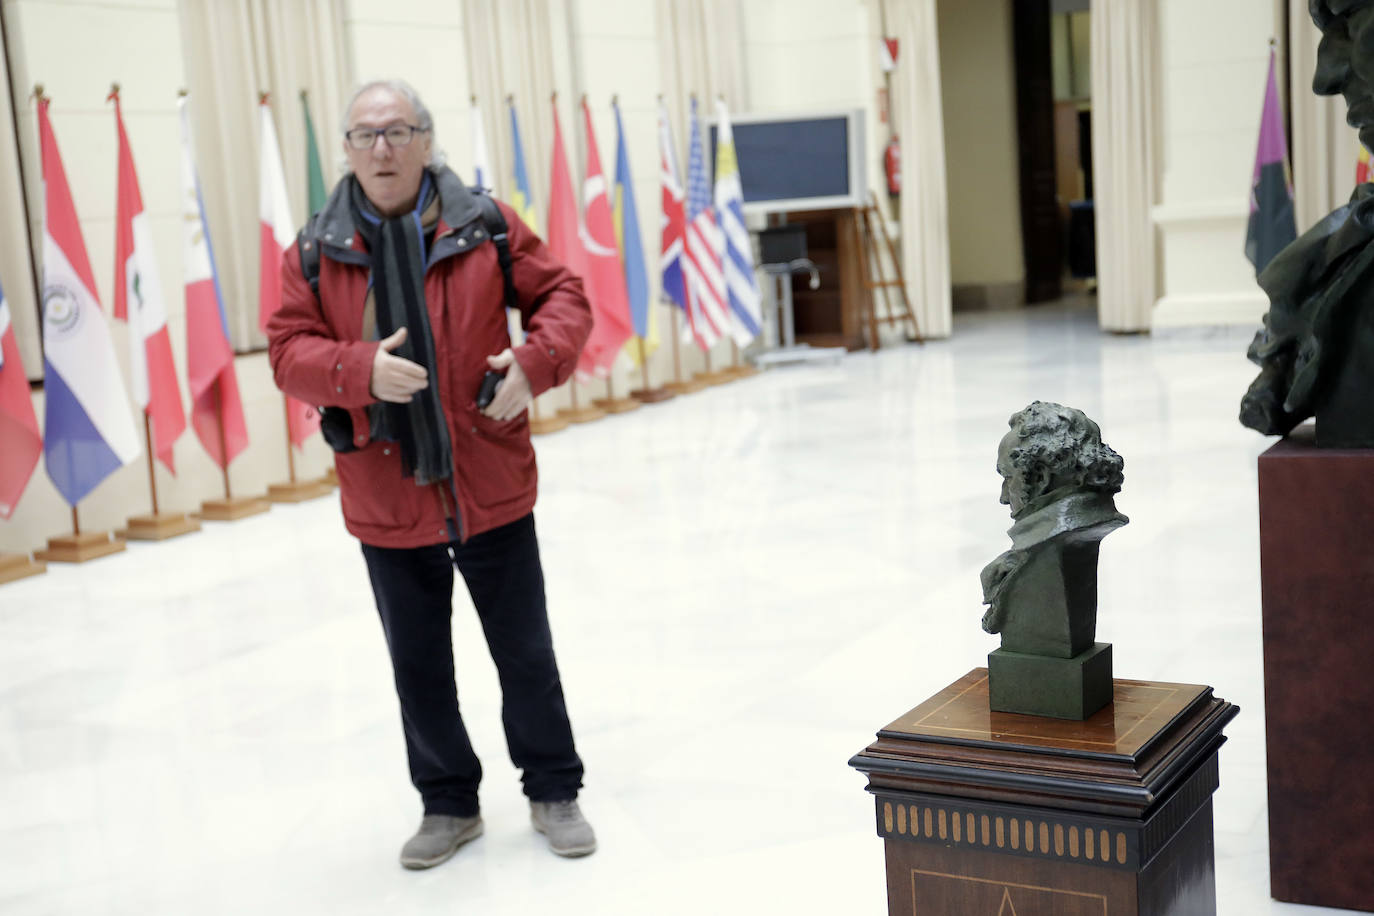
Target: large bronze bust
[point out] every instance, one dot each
(1316, 349)
(1058, 478)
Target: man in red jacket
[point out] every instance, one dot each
(408, 319)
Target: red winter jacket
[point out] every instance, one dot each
(318, 356)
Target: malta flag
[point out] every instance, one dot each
(216, 408)
(18, 423)
(275, 233)
(90, 432)
(138, 301)
(565, 236)
(674, 220)
(706, 304)
(737, 252)
(605, 280)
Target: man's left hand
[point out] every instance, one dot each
(513, 396)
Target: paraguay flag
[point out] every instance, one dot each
(216, 408)
(674, 219)
(626, 216)
(18, 423)
(1272, 224)
(737, 252)
(138, 300)
(90, 432)
(275, 234)
(521, 197)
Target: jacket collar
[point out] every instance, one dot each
(335, 232)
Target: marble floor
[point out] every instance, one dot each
(744, 583)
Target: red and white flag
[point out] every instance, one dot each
(276, 230)
(138, 301)
(216, 407)
(605, 280)
(18, 423)
(565, 234)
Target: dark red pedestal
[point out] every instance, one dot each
(1316, 509)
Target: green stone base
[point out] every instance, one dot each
(1061, 688)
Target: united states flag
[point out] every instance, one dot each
(705, 282)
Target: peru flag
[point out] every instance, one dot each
(138, 300)
(216, 408)
(18, 424)
(90, 432)
(276, 230)
(605, 280)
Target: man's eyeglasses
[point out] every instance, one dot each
(361, 138)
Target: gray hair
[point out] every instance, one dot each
(424, 120)
(1067, 446)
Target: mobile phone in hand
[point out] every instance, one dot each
(490, 382)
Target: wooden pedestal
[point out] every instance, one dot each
(540, 426)
(79, 548)
(1317, 577)
(653, 395)
(990, 814)
(14, 566)
(159, 527)
(718, 377)
(690, 386)
(231, 510)
(332, 475)
(299, 491)
(581, 414)
(617, 405)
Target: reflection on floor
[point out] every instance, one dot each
(745, 584)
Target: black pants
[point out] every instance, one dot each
(414, 591)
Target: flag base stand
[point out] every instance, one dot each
(714, 378)
(540, 426)
(653, 395)
(617, 405)
(159, 527)
(691, 386)
(79, 548)
(332, 476)
(15, 566)
(299, 491)
(581, 414)
(233, 509)
(744, 370)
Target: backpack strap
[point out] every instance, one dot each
(497, 229)
(309, 252)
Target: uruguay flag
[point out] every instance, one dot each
(89, 430)
(737, 253)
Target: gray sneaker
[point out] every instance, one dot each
(438, 839)
(562, 822)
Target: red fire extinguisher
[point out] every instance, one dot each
(892, 164)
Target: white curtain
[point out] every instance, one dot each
(918, 118)
(1125, 39)
(233, 50)
(1325, 148)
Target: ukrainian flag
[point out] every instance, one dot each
(521, 200)
(630, 242)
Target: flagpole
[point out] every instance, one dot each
(152, 476)
(223, 438)
(76, 523)
(290, 456)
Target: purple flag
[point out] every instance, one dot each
(1272, 225)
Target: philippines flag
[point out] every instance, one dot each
(275, 233)
(737, 254)
(674, 221)
(18, 423)
(483, 176)
(216, 408)
(90, 432)
(138, 300)
(605, 280)
(706, 305)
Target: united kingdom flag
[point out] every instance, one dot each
(705, 281)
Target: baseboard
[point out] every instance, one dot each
(1214, 309)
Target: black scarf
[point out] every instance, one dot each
(396, 299)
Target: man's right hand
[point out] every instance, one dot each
(395, 378)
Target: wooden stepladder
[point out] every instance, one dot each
(875, 277)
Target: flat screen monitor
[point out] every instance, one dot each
(800, 161)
